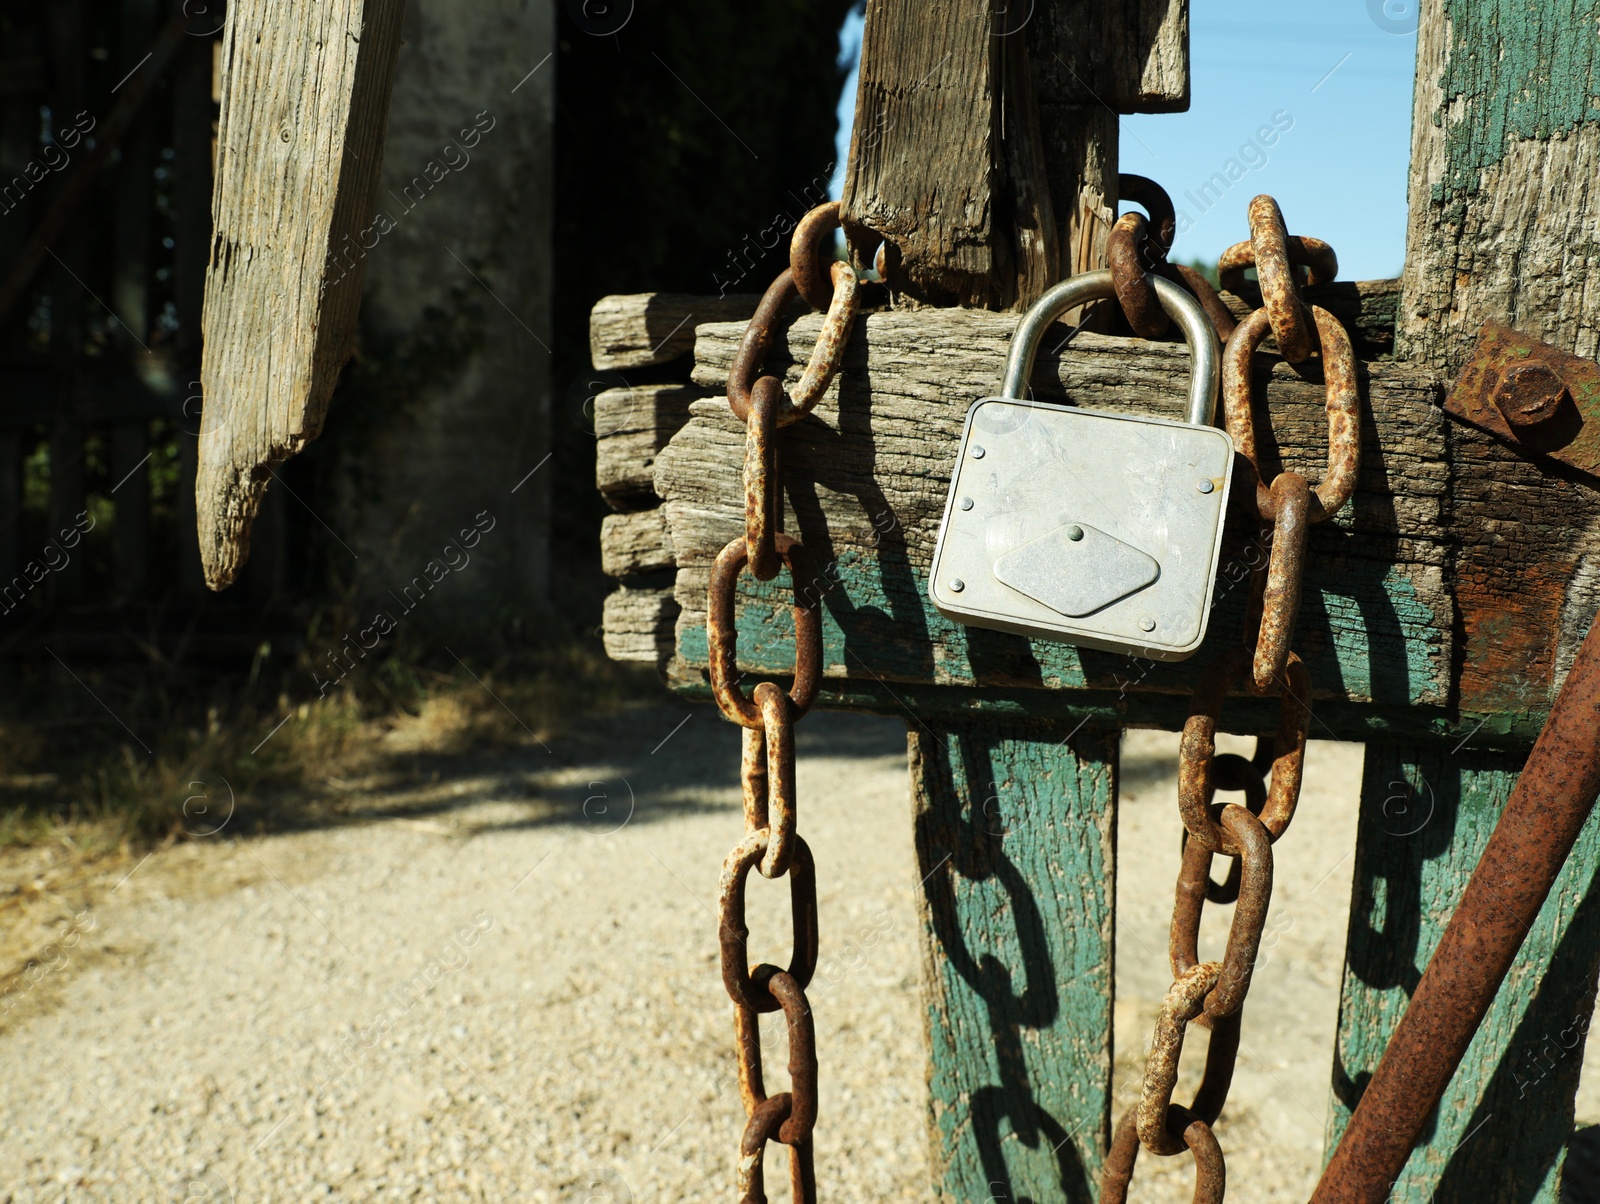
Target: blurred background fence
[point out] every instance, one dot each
(107, 120)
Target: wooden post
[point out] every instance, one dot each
(984, 154)
(1501, 1130)
(1502, 208)
(990, 179)
(1504, 218)
(1015, 826)
(1504, 142)
(304, 110)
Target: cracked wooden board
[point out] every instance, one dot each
(866, 478)
(305, 106)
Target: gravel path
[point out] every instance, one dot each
(500, 983)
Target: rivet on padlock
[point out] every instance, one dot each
(1096, 529)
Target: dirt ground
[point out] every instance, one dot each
(501, 983)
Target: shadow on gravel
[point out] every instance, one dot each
(639, 764)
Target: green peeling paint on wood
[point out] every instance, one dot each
(1501, 1131)
(1014, 832)
(1528, 72)
(1366, 638)
(1243, 716)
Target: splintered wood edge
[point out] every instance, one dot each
(305, 110)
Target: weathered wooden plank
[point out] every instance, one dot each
(304, 110)
(1502, 1127)
(1132, 57)
(928, 125)
(866, 478)
(632, 425)
(1505, 152)
(621, 327)
(641, 330)
(638, 625)
(632, 544)
(1014, 832)
(1505, 225)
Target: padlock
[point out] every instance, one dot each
(1095, 529)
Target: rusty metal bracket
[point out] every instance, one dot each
(1536, 397)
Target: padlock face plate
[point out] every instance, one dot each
(1101, 530)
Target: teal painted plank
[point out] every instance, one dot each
(1014, 833)
(888, 650)
(1332, 719)
(1532, 73)
(1363, 631)
(1501, 1130)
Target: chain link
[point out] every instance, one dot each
(766, 771)
(1288, 503)
(1197, 749)
(1212, 993)
(1274, 253)
(1343, 403)
(1138, 248)
(722, 635)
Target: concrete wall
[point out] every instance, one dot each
(448, 409)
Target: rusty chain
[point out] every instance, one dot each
(1288, 503)
(1209, 993)
(772, 843)
(1212, 993)
(1275, 254)
(1138, 247)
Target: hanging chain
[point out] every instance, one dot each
(1289, 503)
(772, 843)
(1212, 994)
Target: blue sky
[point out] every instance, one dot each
(1336, 73)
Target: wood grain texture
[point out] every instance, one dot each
(985, 145)
(1505, 225)
(1505, 176)
(632, 425)
(638, 625)
(926, 155)
(305, 103)
(1132, 57)
(1502, 1127)
(1449, 532)
(634, 544)
(641, 330)
(866, 478)
(1014, 834)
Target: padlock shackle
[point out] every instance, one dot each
(1093, 286)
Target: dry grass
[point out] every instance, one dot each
(83, 799)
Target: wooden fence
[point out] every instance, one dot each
(107, 125)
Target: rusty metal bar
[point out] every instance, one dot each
(1547, 810)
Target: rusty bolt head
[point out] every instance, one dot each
(1529, 395)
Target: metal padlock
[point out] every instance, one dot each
(1096, 529)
